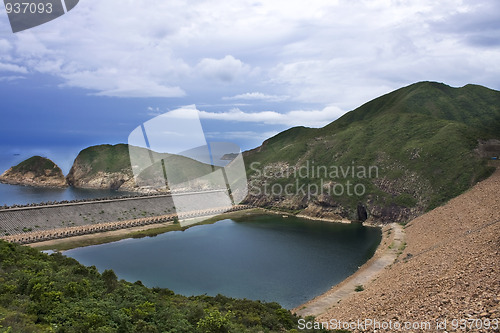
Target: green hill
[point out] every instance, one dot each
(102, 167)
(106, 158)
(37, 165)
(109, 167)
(420, 142)
(35, 171)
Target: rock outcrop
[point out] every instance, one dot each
(35, 171)
(102, 167)
(80, 178)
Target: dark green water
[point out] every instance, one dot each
(260, 257)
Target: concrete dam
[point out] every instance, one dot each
(35, 223)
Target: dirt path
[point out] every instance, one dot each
(391, 245)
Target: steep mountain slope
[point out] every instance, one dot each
(35, 171)
(391, 159)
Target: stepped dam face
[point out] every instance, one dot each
(43, 218)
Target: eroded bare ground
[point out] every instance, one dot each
(450, 269)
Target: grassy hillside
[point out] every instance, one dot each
(419, 142)
(94, 164)
(106, 158)
(39, 166)
(35, 171)
(420, 138)
(42, 293)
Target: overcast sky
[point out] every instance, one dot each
(252, 68)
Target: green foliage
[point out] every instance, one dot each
(359, 288)
(42, 293)
(405, 200)
(116, 158)
(421, 138)
(214, 322)
(107, 158)
(110, 280)
(38, 166)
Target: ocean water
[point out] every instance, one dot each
(16, 194)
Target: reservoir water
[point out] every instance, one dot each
(258, 257)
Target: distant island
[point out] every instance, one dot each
(425, 143)
(35, 171)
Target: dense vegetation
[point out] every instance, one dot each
(38, 166)
(116, 159)
(42, 293)
(421, 138)
(106, 158)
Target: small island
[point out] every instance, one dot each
(35, 171)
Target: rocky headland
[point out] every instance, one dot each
(35, 171)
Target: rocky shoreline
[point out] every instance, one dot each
(28, 181)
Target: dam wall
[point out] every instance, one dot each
(43, 235)
(22, 220)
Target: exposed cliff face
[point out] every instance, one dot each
(80, 177)
(108, 167)
(35, 171)
(102, 167)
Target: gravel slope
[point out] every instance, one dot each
(449, 270)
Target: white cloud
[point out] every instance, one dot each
(116, 84)
(11, 78)
(309, 118)
(256, 96)
(241, 135)
(226, 69)
(150, 89)
(154, 111)
(12, 68)
(312, 118)
(5, 47)
(330, 52)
